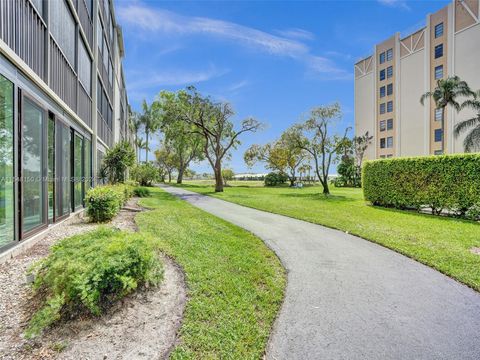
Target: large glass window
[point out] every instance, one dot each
(389, 54)
(77, 170)
(84, 66)
(32, 166)
(438, 51)
(62, 26)
(6, 162)
(51, 167)
(438, 30)
(88, 164)
(439, 72)
(438, 135)
(66, 173)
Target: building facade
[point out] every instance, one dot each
(389, 84)
(63, 103)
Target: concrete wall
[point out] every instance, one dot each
(412, 85)
(365, 109)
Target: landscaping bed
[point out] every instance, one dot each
(142, 325)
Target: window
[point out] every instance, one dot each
(389, 124)
(390, 142)
(110, 73)
(390, 106)
(438, 135)
(51, 167)
(439, 72)
(389, 89)
(438, 30)
(382, 58)
(382, 125)
(99, 96)
(382, 74)
(87, 156)
(382, 143)
(382, 156)
(389, 156)
(438, 114)
(382, 91)
(389, 72)
(63, 169)
(389, 54)
(7, 201)
(382, 108)
(62, 27)
(84, 66)
(77, 170)
(438, 51)
(438, 152)
(89, 6)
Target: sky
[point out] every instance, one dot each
(272, 60)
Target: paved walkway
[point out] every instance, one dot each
(348, 298)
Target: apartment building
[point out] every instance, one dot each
(62, 105)
(390, 82)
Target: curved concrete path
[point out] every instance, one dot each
(348, 298)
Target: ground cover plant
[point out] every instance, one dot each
(85, 273)
(442, 243)
(235, 283)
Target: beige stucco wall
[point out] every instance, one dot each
(466, 65)
(412, 86)
(365, 110)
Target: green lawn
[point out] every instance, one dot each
(235, 283)
(442, 243)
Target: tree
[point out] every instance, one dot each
(180, 135)
(213, 122)
(446, 94)
(150, 118)
(166, 160)
(117, 160)
(360, 146)
(472, 140)
(314, 137)
(140, 145)
(282, 155)
(227, 175)
(135, 125)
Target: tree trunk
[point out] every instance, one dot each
(443, 130)
(326, 190)
(146, 148)
(169, 176)
(218, 178)
(181, 171)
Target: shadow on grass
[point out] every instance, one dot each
(318, 196)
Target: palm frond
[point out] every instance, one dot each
(466, 124)
(472, 140)
(472, 104)
(428, 94)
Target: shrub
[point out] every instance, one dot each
(117, 160)
(145, 174)
(103, 203)
(448, 182)
(85, 273)
(141, 192)
(274, 178)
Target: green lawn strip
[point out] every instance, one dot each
(235, 283)
(442, 243)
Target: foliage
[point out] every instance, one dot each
(472, 140)
(86, 273)
(447, 182)
(443, 243)
(150, 118)
(347, 171)
(275, 178)
(227, 175)
(313, 136)
(141, 192)
(235, 283)
(145, 174)
(103, 202)
(135, 124)
(117, 160)
(166, 160)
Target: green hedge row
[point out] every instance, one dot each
(104, 202)
(443, 183)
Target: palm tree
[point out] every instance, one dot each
(151, 122)
(472, 140)
(141, 144)
(446, 93)
(135, 124)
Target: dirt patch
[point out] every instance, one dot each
(475, 250)
(141, 326)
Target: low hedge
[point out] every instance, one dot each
(443, 183)
(104, 202)
(85, 273)
(275, 178)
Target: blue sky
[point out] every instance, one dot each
(273, 60)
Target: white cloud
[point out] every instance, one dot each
(395, 3)
(296, 33)
(238, 85)
(169, 77)
(167, 22)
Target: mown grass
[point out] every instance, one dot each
(442, 243)
(235, 283)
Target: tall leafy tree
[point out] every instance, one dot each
(213, 122)
(180, 135)
(135, 124)
(472, 140)
(314, 136)
(166, 160)
(447, 93)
